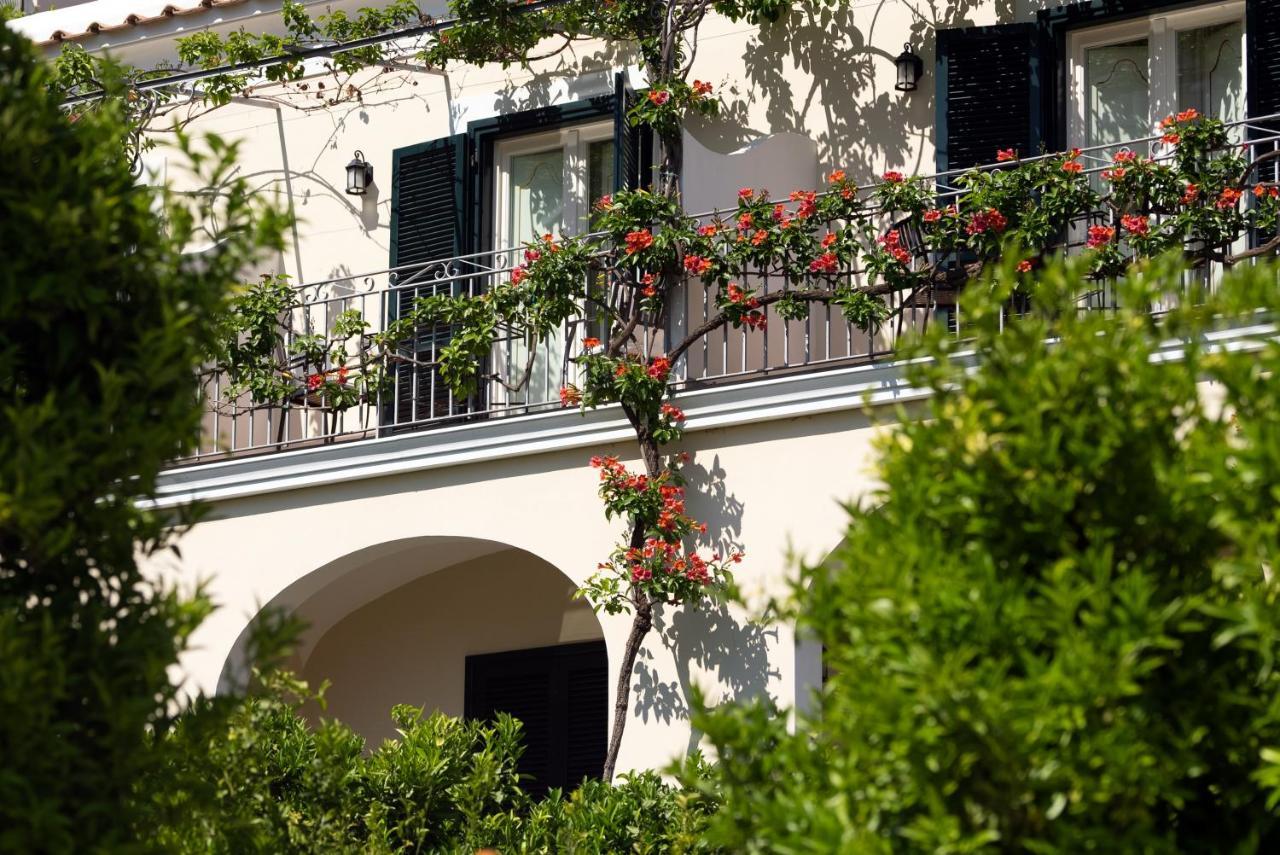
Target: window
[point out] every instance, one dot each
(1125, 77)
(547, 183)
(560, 694)
(504, 181)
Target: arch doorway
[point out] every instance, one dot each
(466, 627)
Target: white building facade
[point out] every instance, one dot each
(433, 544)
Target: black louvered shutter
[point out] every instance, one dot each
(988, 94)
(1262, 49)
(632, 146)
(428, 225)
(560, 695)
(586, 715)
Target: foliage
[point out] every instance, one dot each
(1055, 626)
(273, 782)
(265, 358)
(660, 568)
(103, 322)
(207, 49)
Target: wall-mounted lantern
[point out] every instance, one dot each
(910, 67)
(359, 175)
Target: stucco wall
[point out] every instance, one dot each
(772, 489)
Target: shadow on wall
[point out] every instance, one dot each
(564, 82)
(865, 125)
(711, 639)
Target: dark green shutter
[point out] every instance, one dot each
(427, 201)
(988, 94)
(428, 225)
(560, 695)
(632, 146)
(1262, 57)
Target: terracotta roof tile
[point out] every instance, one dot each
(135, 20)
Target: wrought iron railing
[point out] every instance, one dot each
(418, 399)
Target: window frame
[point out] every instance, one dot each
(575, 141)
(1161, 29)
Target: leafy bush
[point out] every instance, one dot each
(103, 322)
(1056, 629)
(272, 782)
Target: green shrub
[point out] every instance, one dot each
(266, 780)
(103, 323)
(1055, 629)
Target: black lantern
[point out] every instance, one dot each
(359, 175)
(910, 67)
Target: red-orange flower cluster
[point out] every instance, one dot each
(697, 264)
(825, 263)
(1136, 225)
(639, 240)
(892, 243)
(1188, 115)
(990, 219)
(808, 203)
(1099, 236)
(738, 296)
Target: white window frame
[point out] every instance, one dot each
(1161, 31)
(575, 141)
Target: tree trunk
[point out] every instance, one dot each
(641, 623)
(642, 620)
(670, 164)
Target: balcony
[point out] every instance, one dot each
(519, 377)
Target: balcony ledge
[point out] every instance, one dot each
(723, 406)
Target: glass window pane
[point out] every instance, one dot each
(1211, 70)
(600, 178)
(1117, 93)
(537, 195)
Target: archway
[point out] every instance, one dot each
(462, 626)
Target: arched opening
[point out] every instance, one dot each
(465, 627)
